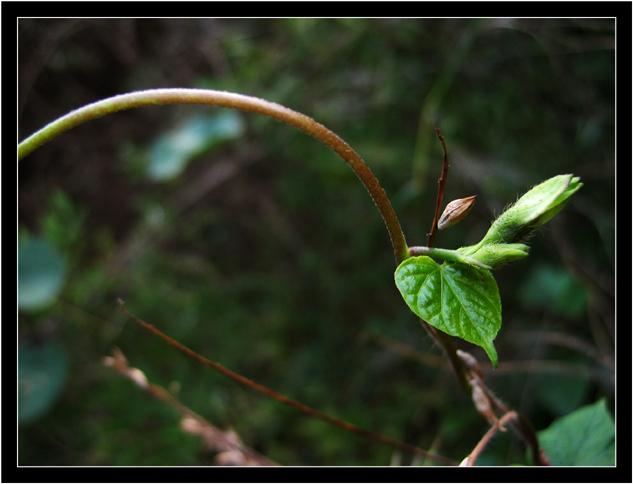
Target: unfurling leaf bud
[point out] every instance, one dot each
(532, 210)
(502, 242)
(455, 211)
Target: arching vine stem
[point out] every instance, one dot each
(154, 97)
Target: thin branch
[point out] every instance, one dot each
(288, 401)
(472, 457)
(520, 425)
(445, 341)
(440, 190)
(226, 443)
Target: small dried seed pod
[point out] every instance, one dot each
(455, 211)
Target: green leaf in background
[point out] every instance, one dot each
(42, 376)
(455, 298)
(583, 438)
(41, 274)
(171, 152)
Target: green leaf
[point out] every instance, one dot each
(583, 438)
(41, 274)
(42, 376)
(170, 153)
(458, 299)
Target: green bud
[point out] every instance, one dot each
(532, 210)
(496, 255)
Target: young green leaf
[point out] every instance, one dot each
(458, 299)
(532, 210)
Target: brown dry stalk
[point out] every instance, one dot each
(520, 424)
(440, 190)
(227, 443)
(472, 457)
(288, 401)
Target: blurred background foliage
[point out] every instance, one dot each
(257, 247)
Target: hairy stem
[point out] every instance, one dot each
(154, 97)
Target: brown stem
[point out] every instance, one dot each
(470, 460)
(446, 342)
(520, 425)
(440, 190)
(153, 97)
(193, 423)
(440, 337)
(288, 401)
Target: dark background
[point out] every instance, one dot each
(267, 255)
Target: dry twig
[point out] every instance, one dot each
(231, 451)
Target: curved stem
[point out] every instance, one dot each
(155, 97)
